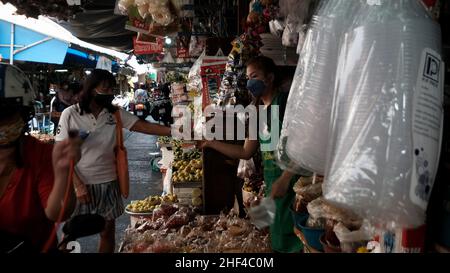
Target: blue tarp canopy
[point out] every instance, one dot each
(29, 45)
(43, 40)
(76, 57)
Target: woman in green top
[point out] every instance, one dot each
(263, 83)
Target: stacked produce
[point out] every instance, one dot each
(188, 155)
(187, 166)
(165, 140)
(150, 203)
(187, 171)
(183, 232)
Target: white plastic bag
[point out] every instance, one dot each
(246, 168)
(276, 27)
(290, 34)
(167, 182)
(305, 133)
(351, 240)
(387, 115)
(263, 215)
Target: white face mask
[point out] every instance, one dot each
(11, 132)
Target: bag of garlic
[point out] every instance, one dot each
(387, 114)
(304, 136)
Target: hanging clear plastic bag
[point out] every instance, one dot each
(304, 135)
(263, 215)
(276, 27)
(290, 33)
(350, 241)
(301, 38)
(387, 115)
(122, 6)
(246, 168)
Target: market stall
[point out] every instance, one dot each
(364, 124)
(329, 214)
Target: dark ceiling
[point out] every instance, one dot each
(99, 25)
(93, 22)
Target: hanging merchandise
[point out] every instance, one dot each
(156, 17)
(387, 114)
(309, 105)
(212, 71)
(147, 47)
(104, 63)
(290, 33)
(197, 45)
(301, 39)
(136, 22)
(297, 13)
(277, 27)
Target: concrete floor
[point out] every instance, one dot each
(143, 182)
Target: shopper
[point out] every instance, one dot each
(264, 84)
(95, 181)
(33, 179)
(66, 95)
(141, 94)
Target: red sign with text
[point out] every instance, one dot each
(147, 48)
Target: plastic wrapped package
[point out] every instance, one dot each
(246, 168)
(350, 241)
(305, 131)
(276, 27)
(197, 45)
(387, 115)
(142, 6)
(321, 209)
(310, 192)
(177, 220)
(290, 33)
(123, 5)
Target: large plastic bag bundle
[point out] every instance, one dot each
(387, 114)
(304, 135)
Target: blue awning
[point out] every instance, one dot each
(78, 57)
(30, 45)
(42, 40)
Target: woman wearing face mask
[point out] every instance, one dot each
(95, 181)
(264, 83)
(33, 175)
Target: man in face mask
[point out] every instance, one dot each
(65, 97)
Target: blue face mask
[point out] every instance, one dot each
(256, 87)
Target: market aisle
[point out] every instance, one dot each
(143, 182)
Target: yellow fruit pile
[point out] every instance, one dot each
(150, 203)
(187, 171)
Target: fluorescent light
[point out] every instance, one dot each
(61, 70)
